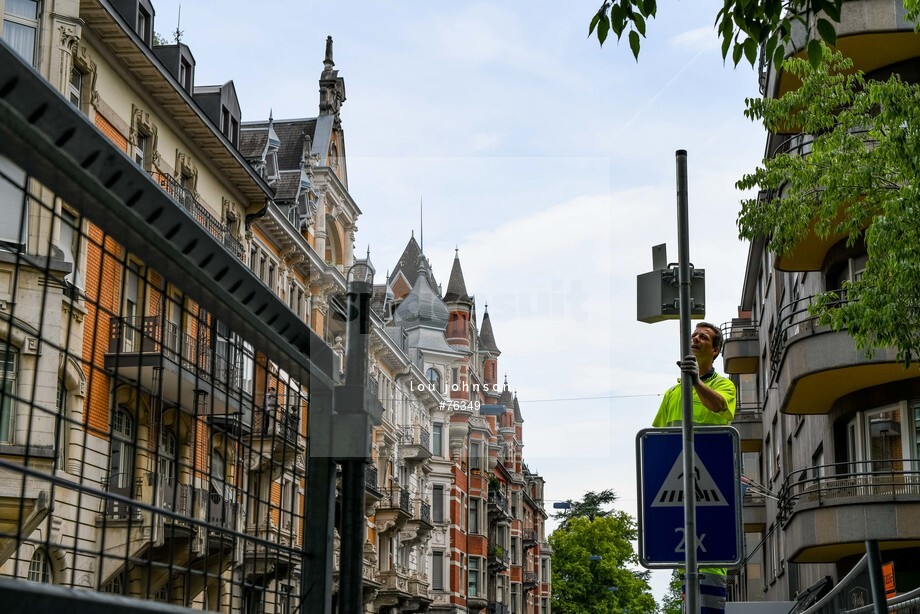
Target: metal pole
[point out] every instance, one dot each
(316, 572)
(354, 525)
(876, 581)
(686, 387)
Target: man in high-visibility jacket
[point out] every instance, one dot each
(713, 403)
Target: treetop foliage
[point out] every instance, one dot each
(744, 26)
(853, 174)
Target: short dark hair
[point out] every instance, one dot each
(716, 334)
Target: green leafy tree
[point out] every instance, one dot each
(590, 507)
(742, 25)
(673, 599)
(860, 181)
(607, 583)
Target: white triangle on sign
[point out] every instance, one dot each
(671, 493)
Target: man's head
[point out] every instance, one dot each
(706, 343)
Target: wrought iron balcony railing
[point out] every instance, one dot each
(835, 484)
(184, 197)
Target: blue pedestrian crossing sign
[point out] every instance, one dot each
(717, 478)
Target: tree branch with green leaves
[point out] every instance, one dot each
(853, 175)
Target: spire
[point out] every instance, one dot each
(456, 287)
(331, 85)
(327, 61)
(506, 399)
(409, 263)
(421, 223)
(486, 335)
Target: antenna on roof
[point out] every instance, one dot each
(421, 224)
(178, 33)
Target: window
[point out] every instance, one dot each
(121, 458)
(12, 203)
(75, 87)
(437, 435)
(474, 515)
(437, 503)
(515, 598)
(166, 461)
(40, 567)
(9, 366)
(70, 245)
(437, 570)
(130, 306)
(877, 439)
(514, 550)
(473, 582)
(434, 378)
(271, 276)
(140, 150)
(20, 27)
(475, 452)
(185, 74)
(143, 24)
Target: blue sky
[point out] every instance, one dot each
(547, 161)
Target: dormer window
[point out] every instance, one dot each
(271, 165)
(185, 74)
(144, 24)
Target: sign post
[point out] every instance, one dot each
(716, 467)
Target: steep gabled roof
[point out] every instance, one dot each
(410, 262)
(292, 133)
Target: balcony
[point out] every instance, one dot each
(419, 526)
(530, 538)
(394, 510)
(499, 510)
(185, 199)
(816, 366)
(372, 492)
(499, 558)
(394, 589)
(415, 444)
(497, 608)
(162, 357)
(749, 422)
(829, 512)
(276, 438)
(873, 33)
(741, 346)
(530, 580)
(269, 549)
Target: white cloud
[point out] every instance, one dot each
(696, 39)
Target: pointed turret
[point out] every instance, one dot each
(456, 287)
(460, 305)
(489, 350)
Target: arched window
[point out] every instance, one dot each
(40, 567)
(166, 461)
(434, 378)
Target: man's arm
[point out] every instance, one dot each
(711, 399)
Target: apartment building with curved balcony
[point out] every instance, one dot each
(831, 433)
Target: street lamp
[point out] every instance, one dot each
(354, 421)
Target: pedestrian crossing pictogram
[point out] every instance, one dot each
(671, 493)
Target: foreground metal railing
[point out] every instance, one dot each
(123, 478)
